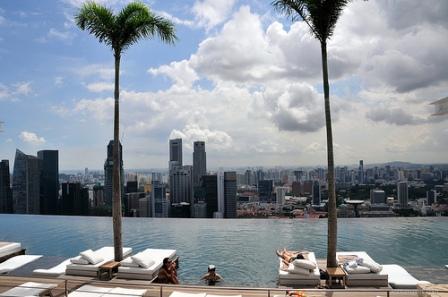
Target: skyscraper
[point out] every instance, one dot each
(265, 190)
(175, 153)
(361, 172)
(74, 199)
(377, 196)
(181, 184)
(25, 184)
(280, 195)
(108, 173)
(220, 187)
(402, 194)
(199, 162)
(316, 193)
(5, 188)
(158, 199)
(49, 181)
(230, 194)
(210, 189)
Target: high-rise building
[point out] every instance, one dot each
(431, 196)
(5, 188)
(402, 194)
(307, 187)
(160, 206)
(26, 184)
(209, 185)
(377, 196)
(98, 196)
(361, 172)
(296, 189)
(175, 153)
(181, 184)
(199, 162)
(108, 173)
(49, 181)
(74, 199)
(221, 201)
(131, 186)
(280, 193)
(316, 194)
(230, 194)
(265, 188)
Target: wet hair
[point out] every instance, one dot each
(165, 261)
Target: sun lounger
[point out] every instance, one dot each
(94, 291)
(399, 278)
(16, 262)
(286, 278)
(106, 253)
(29, 289)
(131, 270)
(370, 279)
(185, 294)
(10, 249)
(53, 271)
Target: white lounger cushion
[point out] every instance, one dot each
(89, 291)
(357, 269)
(17, 262)
(303, 263)
(297, 270)
(79, 260)
(373, 266)
(29, 289)
(142, 261)
(7, 248)
(399, 278)
(184, 294)
(157, 255)
(54, 271)
(92, 257)
(123, 292)
(106, 252)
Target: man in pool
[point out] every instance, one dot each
(211, 277)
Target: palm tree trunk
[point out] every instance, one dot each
(116, 180)
(332, 212)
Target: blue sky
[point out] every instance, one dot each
(241, 77)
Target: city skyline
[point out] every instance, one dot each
(251, 109)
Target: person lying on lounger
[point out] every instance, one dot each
(168, 273)
(289, 256)
(211, 277)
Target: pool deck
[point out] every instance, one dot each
(67, 284)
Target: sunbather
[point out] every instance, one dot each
(289, 256)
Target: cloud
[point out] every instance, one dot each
(111, 3)
(175, 20)
(58, 81)
(15, 90)
(180, 73)
(101, 109)
(32, 138)
(394, 116)
(215, 139)
(99, 87)
(23, 88)
(210, 13)
(66, 36)
(97, 70)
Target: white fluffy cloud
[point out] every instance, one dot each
(11, 92)
(264, 104)
(95, 70)
(99, 87)
(31, 137)
(210, 13)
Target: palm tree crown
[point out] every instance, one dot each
(120, 31)
(320, 15)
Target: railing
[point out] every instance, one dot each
(65, 287)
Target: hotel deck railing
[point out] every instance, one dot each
(65, 287)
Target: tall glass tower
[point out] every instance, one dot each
(26, 184)
(108, 173)
(49, 181)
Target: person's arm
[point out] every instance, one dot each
(218, 277)
(205, 276)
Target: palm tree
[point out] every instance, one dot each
(119, 31)
(321, 16)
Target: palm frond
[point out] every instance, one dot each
(141, 23)
(320, 15)
(97, 20)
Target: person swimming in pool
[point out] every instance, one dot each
(211, 277)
